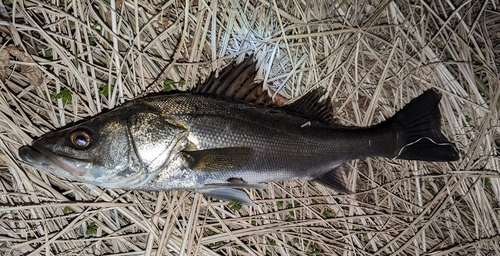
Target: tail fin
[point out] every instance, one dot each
(421, 121)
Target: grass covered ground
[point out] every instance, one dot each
(62, 61)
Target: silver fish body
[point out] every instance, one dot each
(258, 145)
(217, 145)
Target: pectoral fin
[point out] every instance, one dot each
(227, 194)
(218, 159)
(334, 180)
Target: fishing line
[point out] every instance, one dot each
(421, 138)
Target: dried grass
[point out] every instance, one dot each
(372, 56)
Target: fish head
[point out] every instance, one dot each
(118, 149)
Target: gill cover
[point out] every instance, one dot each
(155, 140)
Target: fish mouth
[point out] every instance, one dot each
(48, 161)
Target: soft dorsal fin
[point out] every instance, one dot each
(237, 82)
(310, 106)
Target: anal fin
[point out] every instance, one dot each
(334, 180)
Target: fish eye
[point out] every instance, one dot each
(80, 138)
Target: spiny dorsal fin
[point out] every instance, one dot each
(237, 82)
(310, 106)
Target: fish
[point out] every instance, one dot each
(229, 134)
